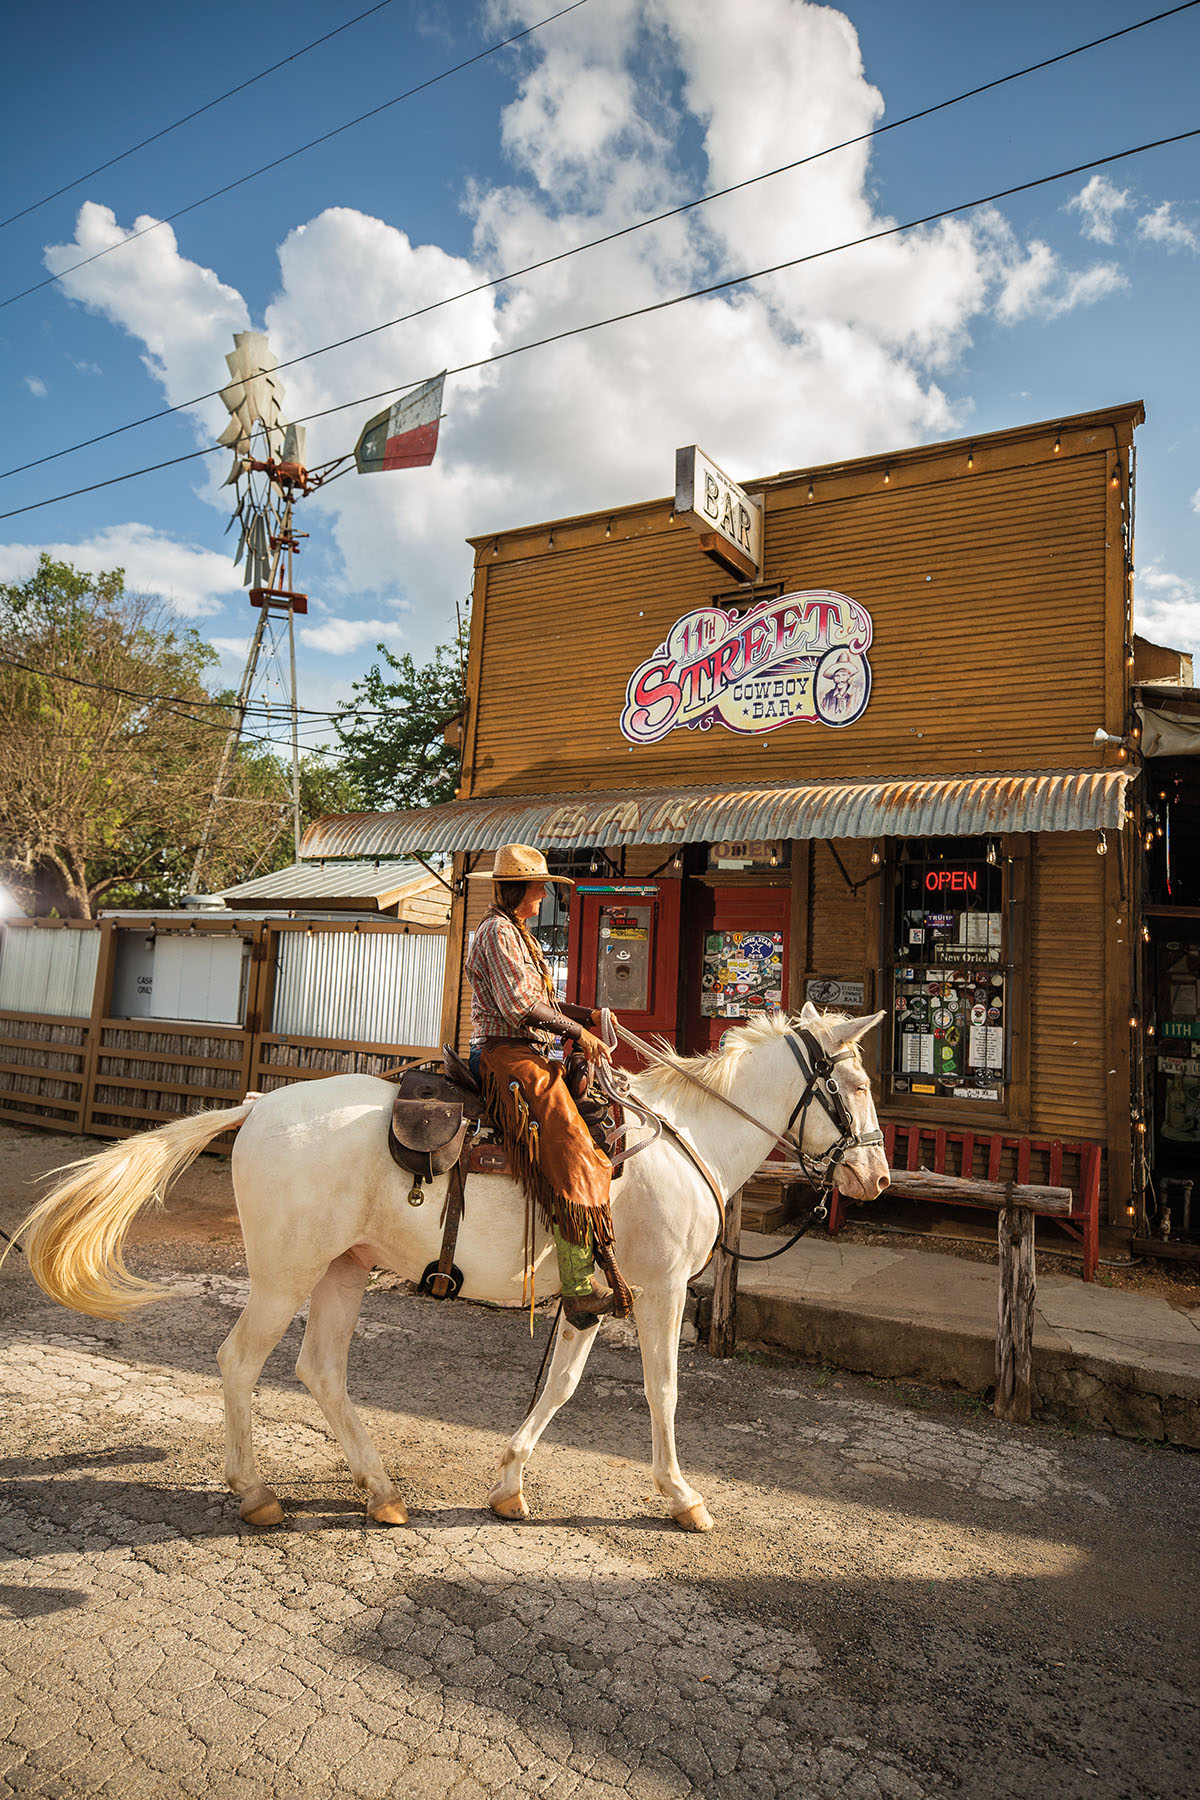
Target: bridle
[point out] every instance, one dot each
(821, 1085)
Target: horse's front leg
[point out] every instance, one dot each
(659, 1314)
(571, 1349)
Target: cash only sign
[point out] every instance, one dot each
(790, 659)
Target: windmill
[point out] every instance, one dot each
(269, 474)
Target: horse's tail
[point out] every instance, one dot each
(76, 1235)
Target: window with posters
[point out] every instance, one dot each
(949, 968)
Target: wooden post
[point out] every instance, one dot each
(1014, 1325)
(722, 1330)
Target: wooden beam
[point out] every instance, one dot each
(1014, 1320)
(919, 1184)
(722, 1329)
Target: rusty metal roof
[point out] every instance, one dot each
(942, 806)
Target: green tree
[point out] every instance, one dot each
(393, 734)
(110, 744)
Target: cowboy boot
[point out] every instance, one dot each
(585, 1310)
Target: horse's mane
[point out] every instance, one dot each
(716, 1068)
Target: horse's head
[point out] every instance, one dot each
(861, 1171)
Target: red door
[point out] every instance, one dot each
(737, 957)
(624, 953)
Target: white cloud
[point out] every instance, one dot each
(1167, 608)
(181, 312)
(1098, 203)
(836, 358)
(337, 637)
(1162, 227)
(36, 386)
(1035, 284)
(192, 581)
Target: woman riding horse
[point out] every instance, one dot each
(517, 1024)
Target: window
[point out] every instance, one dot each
(948, 969)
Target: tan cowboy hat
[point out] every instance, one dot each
(518, 862)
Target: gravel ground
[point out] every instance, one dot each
(902, 1597)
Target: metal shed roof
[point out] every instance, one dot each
(312, 882)
(948, 805)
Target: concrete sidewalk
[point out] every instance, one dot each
(1126, 1362)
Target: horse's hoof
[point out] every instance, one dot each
(389, 1512)
(509, 1506)
(261, 1508)
(696, 1518)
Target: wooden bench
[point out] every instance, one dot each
(952, 1167)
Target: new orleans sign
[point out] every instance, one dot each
(799, 658)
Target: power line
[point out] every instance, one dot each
(278, 161)
(172, 702)
(187, 118)
(107, 687)
(608, 238)
(640, 312)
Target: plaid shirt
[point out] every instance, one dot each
(505, 984)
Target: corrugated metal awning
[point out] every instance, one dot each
(945, 806)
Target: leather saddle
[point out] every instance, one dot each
(431, 1116)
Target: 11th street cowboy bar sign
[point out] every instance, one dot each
(796, 658)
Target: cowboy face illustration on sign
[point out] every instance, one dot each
(798, 659)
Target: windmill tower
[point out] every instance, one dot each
(268, 474)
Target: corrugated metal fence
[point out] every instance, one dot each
(93, 1032)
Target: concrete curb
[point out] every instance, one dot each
(1152, 1396)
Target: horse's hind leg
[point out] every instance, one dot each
(321, 1366)
(571, 1349)
(241, 1357)
(659, 1318)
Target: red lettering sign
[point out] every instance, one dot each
(958, 881)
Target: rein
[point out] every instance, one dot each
(820, 1084)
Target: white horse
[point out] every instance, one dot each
(313, 1180)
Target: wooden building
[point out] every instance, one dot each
(844, 747)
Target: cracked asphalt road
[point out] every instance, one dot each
(902, 1598)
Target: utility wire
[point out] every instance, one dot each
(641, 312)
(188, 117)
(173, 702)
(107, 687)
(608, 238)
(278, 161)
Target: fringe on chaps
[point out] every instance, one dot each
(562, 1171)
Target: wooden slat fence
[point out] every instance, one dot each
(87, 1070)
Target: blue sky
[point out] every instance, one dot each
(1074, 296)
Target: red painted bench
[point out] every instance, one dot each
(956, 1153)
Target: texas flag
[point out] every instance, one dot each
(404, 437)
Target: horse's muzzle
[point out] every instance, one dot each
(862, 1184)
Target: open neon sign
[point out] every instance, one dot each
(955, 881)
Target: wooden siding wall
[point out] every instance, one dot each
(991, 592)
(1069, 1058)
(842, 928)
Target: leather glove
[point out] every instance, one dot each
(593, 1047)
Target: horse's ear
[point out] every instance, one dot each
(852, 1031)
(809, 1016)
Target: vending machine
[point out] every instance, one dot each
(624, 954)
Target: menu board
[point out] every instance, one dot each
(742, 974)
